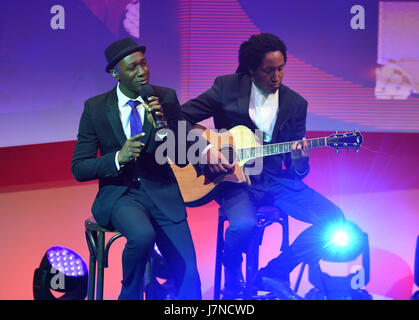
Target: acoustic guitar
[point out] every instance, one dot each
(242, 147)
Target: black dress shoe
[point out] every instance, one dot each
(234, 285)
(279, 288)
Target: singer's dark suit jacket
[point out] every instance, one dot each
(101, 130)
(227, 101)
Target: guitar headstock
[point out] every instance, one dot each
(345, 140)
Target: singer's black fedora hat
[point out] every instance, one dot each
(119, 50)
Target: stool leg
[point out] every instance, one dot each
(147, 281)
(300, 275)
(285, 233)
(218, 258)
(107, 248)
(100, 265)
(91, 238)
(252, 262)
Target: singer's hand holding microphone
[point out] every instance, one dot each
(132, 147)
(153, 105)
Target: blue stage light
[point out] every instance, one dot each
(340, 238)
(341, 242)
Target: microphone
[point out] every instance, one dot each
(146, 92)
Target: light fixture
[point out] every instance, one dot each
(159, 284)
(415, 295)
(61, 270)
(343, 242)
(340, 238)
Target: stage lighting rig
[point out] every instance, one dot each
(343, 242)
(61, 270)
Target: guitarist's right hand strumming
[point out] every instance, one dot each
(217, 164)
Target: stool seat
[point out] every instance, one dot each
(92, 225)
(264, 212)
(268, 212)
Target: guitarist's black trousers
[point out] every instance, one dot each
(240, 203)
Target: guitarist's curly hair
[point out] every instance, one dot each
(253, 50)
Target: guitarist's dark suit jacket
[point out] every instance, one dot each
(101, 129)
(228, 103)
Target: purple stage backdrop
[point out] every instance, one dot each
(51, 57)
(355, 61)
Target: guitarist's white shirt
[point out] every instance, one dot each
(263, 110)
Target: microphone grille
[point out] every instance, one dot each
(146, 91)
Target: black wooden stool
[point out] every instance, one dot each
(266, 216)
(95, 237)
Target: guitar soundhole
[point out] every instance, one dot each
(230, 154)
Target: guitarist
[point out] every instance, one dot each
(255, 97)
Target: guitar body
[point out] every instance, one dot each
(197, 191)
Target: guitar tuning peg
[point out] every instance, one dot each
(337, 151)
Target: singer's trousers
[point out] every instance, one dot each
(143, 224)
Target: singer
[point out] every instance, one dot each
(137, 196)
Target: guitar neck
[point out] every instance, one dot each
(278, 148)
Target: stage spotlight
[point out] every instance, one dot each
(343, 242)
(61, 270)
(340, 238)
